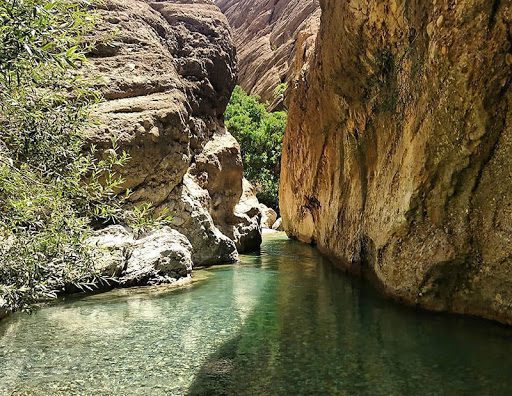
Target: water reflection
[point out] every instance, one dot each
(282, 323)
(317, 331)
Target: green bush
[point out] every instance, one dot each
(52, 188)
(260, 134)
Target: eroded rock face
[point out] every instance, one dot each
(273, 40)
(167, 70)
(398, 157)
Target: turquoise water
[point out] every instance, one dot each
(284, 322)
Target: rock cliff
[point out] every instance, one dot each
(273, 38)
(398, 156)
(167, 70)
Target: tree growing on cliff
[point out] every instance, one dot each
(51, 186)
(260, 134)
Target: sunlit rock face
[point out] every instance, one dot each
(397, 159)
(273, 40)
(167, 70)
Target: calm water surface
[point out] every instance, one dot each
(281, 323)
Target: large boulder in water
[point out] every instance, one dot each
(162, 256)
(269, 216)
(112, 245)
(247, 232)
(278, 225)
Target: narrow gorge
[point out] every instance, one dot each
(255, 197)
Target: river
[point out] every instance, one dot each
(282, 322)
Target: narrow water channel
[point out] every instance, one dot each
(284, 322)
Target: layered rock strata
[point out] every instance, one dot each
(273, 41)
(397, 159)
(166, 70)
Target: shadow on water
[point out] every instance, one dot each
(284, 322)
(317, 331)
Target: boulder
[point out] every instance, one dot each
(162, 256)
(268, 217)
(112, 245)
(247, 229)
(278, 225)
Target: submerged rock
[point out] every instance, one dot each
(167, 70)
(397, 157)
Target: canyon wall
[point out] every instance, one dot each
(166, 71)
(273, 39)
(397, 158)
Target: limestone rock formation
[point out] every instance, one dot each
(269, 216)
(162, 256)
(167, 70)
(248, 213)
(398, 156)
(112, 244)
(278, 225)
(273, 40)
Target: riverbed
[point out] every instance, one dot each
(281, 322)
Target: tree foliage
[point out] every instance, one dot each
(51, 186)
(260, 134)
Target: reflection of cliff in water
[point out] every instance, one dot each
(316, 331)
(281, 323)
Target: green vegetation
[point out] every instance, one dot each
(280, 90)
(52, 187)
(260, 134)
